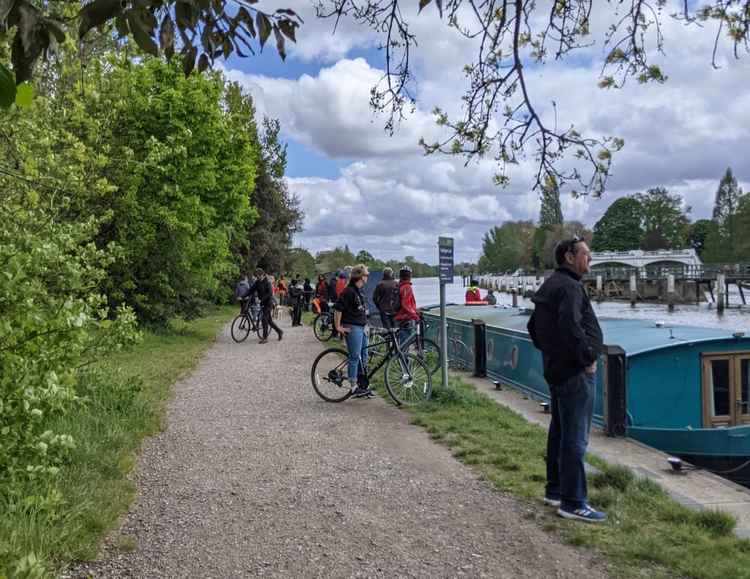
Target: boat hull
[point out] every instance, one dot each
(661, 385)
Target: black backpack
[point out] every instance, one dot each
(242, 290)
(390, 301)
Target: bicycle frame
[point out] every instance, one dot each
(393, 348)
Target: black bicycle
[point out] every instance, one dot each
(247, 321)
(407, 379)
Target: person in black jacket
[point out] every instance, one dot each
(309, 292)
(564, 327)
(350, 320)
(264, 289)
(386, 298)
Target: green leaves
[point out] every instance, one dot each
(24, 94)
(287, 27)
(264, 28)
(205, 27)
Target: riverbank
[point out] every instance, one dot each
(124, 401)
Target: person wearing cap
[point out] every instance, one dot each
(407, 315)
(350, 320)
(564, 327)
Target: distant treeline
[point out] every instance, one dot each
(303, 263)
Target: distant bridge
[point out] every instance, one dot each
(639, 258)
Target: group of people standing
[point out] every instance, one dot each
(395, 303)
(263, 289)
(563, 326)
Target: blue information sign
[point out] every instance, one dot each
(445, 264)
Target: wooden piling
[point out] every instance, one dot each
(599, 288)
(670, 292)
(515, 297)
(721, 288)
(633, 290)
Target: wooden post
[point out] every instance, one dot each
(721, 288)
(633, 289)
(670, 292)
(599, 288)
(515, 298)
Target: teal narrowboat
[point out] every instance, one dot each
(681, 389)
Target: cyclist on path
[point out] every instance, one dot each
(350, 320)
(264, 288)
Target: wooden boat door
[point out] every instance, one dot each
(742, 386)
(718, 407)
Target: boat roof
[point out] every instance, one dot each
(635, 336)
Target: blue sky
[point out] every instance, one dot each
(360, 187)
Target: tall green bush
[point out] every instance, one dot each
(53, 323)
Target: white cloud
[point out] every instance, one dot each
(681, 135)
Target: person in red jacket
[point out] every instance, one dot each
(341, 282)
(407, 315)
(473, 294)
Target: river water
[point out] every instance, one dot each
(427, 292)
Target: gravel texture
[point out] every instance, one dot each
(254, 475)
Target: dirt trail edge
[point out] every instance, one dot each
(254, 475)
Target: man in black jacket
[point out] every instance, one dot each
(564, 327)
(265, 295)
(386, 297)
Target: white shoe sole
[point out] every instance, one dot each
(552, 503)
(574, 517)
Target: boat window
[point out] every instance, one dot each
(726, 388)
(719, 387)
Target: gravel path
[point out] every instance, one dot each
(256, 476)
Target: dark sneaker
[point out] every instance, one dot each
(585, 513)
(550, 502)
(281, 335)
(360, 392)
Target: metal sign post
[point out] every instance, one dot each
(445, 267)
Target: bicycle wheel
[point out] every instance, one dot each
(323, 327)
(328, 375)
(407, 379)
(241, 326)
(427, 350)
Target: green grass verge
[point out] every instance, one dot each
(125, 401)
(647, 535)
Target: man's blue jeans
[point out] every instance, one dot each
(356, 345)
(572, 409)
